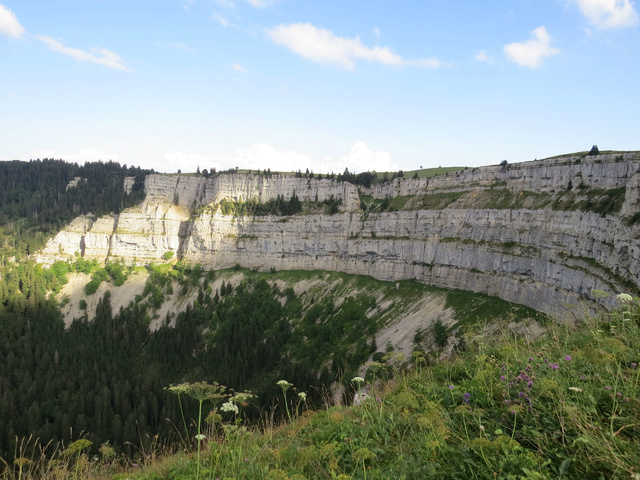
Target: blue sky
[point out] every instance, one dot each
(292, 84)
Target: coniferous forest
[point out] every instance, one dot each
(104, 378)
(55, 383)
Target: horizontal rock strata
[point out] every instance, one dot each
(544, 258)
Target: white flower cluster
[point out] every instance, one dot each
(624, 298)
(229, 407)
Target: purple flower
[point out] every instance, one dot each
(521, 394)
(567, 358)
(607, 387)
(554, 366)
(378, 399)
(502, 377)
(634, 365)
(529, 384)
(466, 398)
(451, 387)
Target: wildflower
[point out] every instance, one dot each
(634, 364)
(451, 387)
(466, 398)
(575, 389)
(554, 366)
(607, 387)
(357, 379)
(521, 394)
(567, 358)
(242, 398)
(200, 437)
(378, 399)
(284, 385)
(529, 384)
(503, 378)
(624, 298)
(229, 407)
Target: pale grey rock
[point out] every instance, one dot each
(546, 259)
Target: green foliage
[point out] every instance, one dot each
(274, 206)
(440, 335)
(35, 201)
(602, 201)
(561, 407)
(168, 255)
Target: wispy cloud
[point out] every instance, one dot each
(221, 20)
(482, 56)
(532, 52)
(322, 46)
(608, 13)
(9, 24)
(239, 68)
(101, 56)
(181, 46)
(261, 3)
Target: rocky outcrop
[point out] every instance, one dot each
(548, 259)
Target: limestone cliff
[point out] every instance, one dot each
(543, 233)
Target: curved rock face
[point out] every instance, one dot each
(537, 252)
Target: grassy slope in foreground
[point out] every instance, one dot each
(565, 406)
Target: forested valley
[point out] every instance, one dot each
(105, 378)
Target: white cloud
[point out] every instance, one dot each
(361, 159)
(376, 31)
(239, 68)
(322, 46)
(100, 56)
(608, 13)
(224, 3)
(189, 162)
(223, 21)
(262, 156)
(9, 24)
(532, 52)
(482, 56)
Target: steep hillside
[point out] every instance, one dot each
(548, 234)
